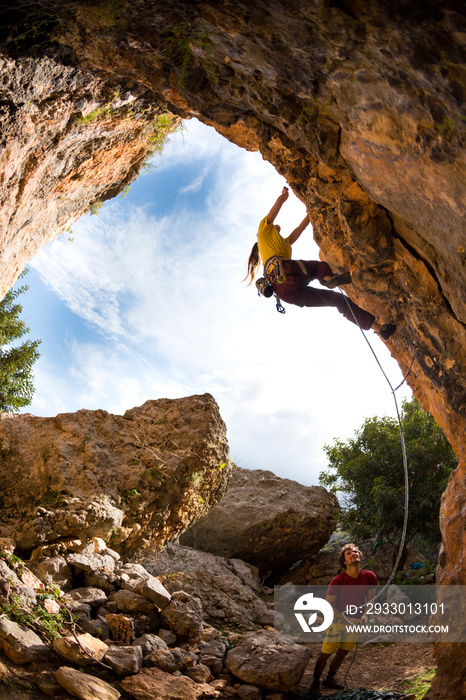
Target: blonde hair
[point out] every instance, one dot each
(253, 263)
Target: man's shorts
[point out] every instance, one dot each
(336, 637)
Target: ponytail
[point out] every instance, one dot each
(253, 263)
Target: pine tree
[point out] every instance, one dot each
(16, 361)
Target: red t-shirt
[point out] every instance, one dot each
(352, 591)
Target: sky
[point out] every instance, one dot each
(145, 300)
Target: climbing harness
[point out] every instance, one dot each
(277, 269)
(274, 272)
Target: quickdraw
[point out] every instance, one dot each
(280, 308)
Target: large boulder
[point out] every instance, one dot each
(133, 479)
(269, 660)
(267, 521)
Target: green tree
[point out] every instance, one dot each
(368, 472)
(16, 361)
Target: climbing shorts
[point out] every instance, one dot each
(336, 637)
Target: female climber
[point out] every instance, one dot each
(289, 279)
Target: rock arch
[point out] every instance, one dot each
(358, 104)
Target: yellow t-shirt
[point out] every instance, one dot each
(271, 243)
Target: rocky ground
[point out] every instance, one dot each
(76, 621)
(380, 666)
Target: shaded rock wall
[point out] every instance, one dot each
(135, 479)
(360, 105)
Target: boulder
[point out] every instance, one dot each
(137, 579)
(20, 644)
(89, 562)
(162, 659)
(98, 628)
(126, 479)
(212, 654)
(125, 661)
(183, 615)
(121, 628)
(250, 692)
(83, 650)
(265, 520)
(85, 687)
(9, 581)
(127, 601)
(269, 660)
(155, 684)
(199, 673)
(53, 570)
(88, 595)
(229, 589)
(149, 643)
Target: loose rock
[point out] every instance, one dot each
(86, 651)
(19, 644)
(124, 660)
(85, 687)
(184, 616)
(154, 684)
(269, 660)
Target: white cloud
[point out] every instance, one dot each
(196, 184)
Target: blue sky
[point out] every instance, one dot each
(147, 302)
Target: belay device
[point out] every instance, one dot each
(265, 288)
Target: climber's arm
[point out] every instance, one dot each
(277, 206)
(294, 235)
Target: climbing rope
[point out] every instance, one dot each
(356, 694)
(403, 448)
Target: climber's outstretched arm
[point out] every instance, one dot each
(294, 235)
(277, 206)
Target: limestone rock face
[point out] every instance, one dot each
(265, 520)
(51, 157)
(357, 104)
(128, 479)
